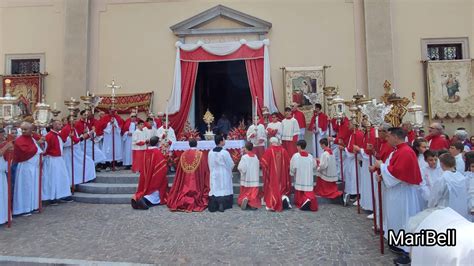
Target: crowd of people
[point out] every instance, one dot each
(418, 174)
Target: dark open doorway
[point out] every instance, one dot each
(222, 87)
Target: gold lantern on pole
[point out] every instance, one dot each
(10, 113)
(42, 114)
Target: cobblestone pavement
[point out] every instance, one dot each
(335, 235)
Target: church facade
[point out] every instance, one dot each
(84, 44)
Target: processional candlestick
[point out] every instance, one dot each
(416, 118)
(113, 87)
(72, 106)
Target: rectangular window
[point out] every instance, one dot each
(445, 48)
(25, 66)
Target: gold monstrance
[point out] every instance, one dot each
(208, 119)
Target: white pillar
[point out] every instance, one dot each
(360, 48)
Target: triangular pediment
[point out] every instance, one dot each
(221, 20)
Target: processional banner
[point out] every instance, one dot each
(27, 87)
(304, 85)
(125, 103)
(450, 91)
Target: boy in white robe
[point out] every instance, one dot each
(249, 168)
(456, 150)
(112, 144)
(3, 181)
(127, 131)
(326, 172)
(302, 166)
(274, 128)
(257, 136)
(430, 174)
(139, 145)
(220, 179)
(451, 190)
(289, 132)
(164, 132)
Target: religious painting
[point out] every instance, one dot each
(126, 103)
(304, 86)
(450, 91)
(7, 111)
(28, 88)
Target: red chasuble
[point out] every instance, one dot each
(299, 116)
(404, 165)
(323, 122)
(153, 177)
(438, 143)
(275, 165)
(24, 149)
(190, 190)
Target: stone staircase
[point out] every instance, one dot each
(118, 187)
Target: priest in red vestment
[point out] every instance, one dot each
(436, 139)
(275, 165)
(152, 184)
(190, 190)
(299, 116)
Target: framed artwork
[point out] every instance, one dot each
(304, 86)
(28, 88)
(7, 111)
(450, 91)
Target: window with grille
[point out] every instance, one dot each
(445, 48)
(25, 66)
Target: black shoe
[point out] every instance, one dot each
(128, 167)
(134, 204)
(395, 250)
(141, 204)
(54, 203)
(286, 204)
(243, 206)
(67, 199)
(402, 260)
(306, 206)
(221, 207)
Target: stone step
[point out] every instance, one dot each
(107, 188)
(127, 177)
(102, 198)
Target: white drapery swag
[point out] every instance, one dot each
(222, 49)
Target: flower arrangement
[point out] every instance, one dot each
(238, 133)
(188, 133)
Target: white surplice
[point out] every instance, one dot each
(421, 161)
(249, 169)
(80, 176)
(317, 135)
(460, 164)
(108, 148)
(99, 156)
(3, 191)
(451, 190)
(327, 169)
(302, 169)
(400, 200)
(429, 176)
(139, 136)
(220, 167)
(26, 189)
(276, 126)
(365, 188)
(56, 183)
(289, 129)
(350, 177)
(259, 135)
(171, 135)
(470, 176)
(127, 144)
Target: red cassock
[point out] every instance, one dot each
(82, 126)
(357, 138)
(190, 190)
(343, 131)
(253, 194)
(158, 122)
(137, 162)
(323, 122)
(411, 136)
(24, 149)
(299, 116)
(384, 150)
(153, 177)
(275, 165)
(404, 165)
(438, 142)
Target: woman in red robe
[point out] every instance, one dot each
(190, 190)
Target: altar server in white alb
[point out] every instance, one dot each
(401, 177)
(256, 134)
(289, 132)
(139, 145)
(274, 128)
(26, 153)
(430, 174)
(165, 131)
(249, 168)
(319, 128)
(56, 184)
(220, 167)
(302, 166)
(451, 190)
(456, 150)
(80, 176)
(112, 144)
(128, 128)
(5, 146)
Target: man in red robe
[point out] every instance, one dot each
(436, 139)
(190, 190)
(299, 116)
(153, 184)
(275, 165)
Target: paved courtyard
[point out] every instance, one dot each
(335, 235)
